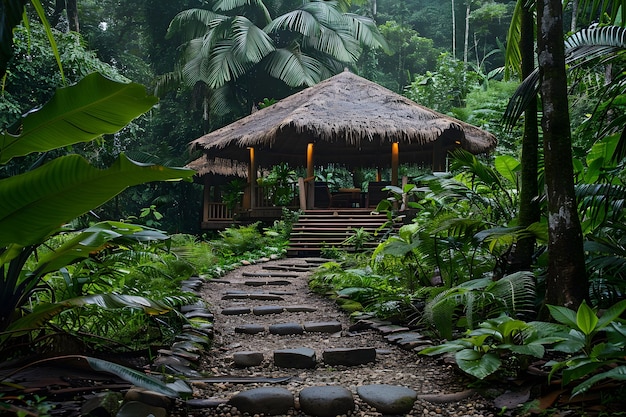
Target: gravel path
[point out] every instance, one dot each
(441, 391)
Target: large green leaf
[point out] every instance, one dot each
(134, 377)
(34, 204)
(79, 113)
(91, 240)
(477, 364)
(45, 311)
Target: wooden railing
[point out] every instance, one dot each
(217, 211)
(264, 196)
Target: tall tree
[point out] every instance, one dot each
(523, 34)
(566, 283)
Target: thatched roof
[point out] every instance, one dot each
(351, 120)
(218, 167)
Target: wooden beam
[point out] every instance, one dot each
(395, 163)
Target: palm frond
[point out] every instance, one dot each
(513, 54)
(516, 293)
(595, 42)
(294, 67)
(602, 201)
(365, 31)
(298, 21)
(224, 65)
(587, 45)
(521, 99)
(480, 299)
(229, 5)
(192, 23)
(599, 8)
(251, 43)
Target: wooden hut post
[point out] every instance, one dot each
(439, 157)
(395, 163)
(206, 199)
(252, 176)
(310, 173)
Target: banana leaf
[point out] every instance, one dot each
(34, 204)
(80, 113)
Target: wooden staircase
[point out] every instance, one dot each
(316, 229)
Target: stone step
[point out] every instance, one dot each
(305, 358)
(259, 283)
(266, 309)
(317, 401)
(269, 274)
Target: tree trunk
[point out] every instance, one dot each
(72, 15)
(566, 283)
(453, 32)
(522, 256)
(468, 8)
(574, 15)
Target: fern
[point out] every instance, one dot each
(480, 299)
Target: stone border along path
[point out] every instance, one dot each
(278, 349)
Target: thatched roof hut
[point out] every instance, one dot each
(350, 121)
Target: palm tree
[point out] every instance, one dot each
(244, 51)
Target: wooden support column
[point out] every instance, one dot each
(395, 163)
(310, 161)
(206, 198)
(310, 173)
(439, 157)
(252, 177)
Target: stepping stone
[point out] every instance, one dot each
(170, 360)
(205, 314)
(102, 404)
(188, 346)
(300, 309)
(262, 283)
(286, 268)
(193, 338)
(265, 400)
(300, 358)
(407, 340)
(138, 409)
(265, 310)
(323, 327)
(269, 274)
(388, 399)
(286, 329)
(199, 331)
(281, 293)
(328, 401)
(219, 281)
(236, 311)
(194, 357)
(205, 402)
(249, 329)
(254, 296)
(145, 396)
(191, 307)
(349, 356)
(248, 358)
(199, 325)
(392, 329)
